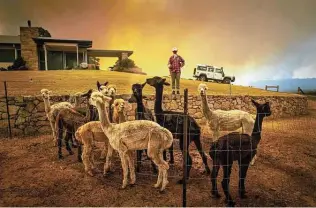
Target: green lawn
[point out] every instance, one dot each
(72, 81)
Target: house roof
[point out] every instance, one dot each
(108, 53)
(81, 43)
(9, 39)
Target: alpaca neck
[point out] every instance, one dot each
(158, 101)
(140, 105)
(104, 119)
(47, 105)
(121, 117)
(205, 108)
(256, 132)
(111, 110)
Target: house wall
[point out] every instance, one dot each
(28, 113)
(29, 47)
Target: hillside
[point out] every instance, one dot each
(288, 85)
(69, 82)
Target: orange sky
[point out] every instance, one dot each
(247, 37)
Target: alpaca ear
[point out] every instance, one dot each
(98, 85)
(254, 102)
(166, 83)
(106, 83)
(143, 85)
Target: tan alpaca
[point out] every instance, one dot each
(92, 132)
(129, 136)
(220, 120)
(52, 110)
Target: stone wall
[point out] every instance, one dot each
(28, 114)
(29, 47)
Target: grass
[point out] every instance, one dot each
(69, 82)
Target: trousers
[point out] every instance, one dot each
(175, 80)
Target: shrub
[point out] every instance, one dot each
(18, 64)
(122, 64)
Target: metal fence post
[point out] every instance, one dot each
(7, 104)
(185, 149)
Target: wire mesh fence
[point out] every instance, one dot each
(235, 147)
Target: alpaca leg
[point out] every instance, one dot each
(79, 153)
(59, 141)
(157, 161)
(125, 169)
(189, 164)
(165, 155)
(138, 160)
(67, 138)
(154, 167)
(171, 161)
(104, 152)
(86, 159)
(225, 184)
(243, 168)
(253, 160)
(131, 167)
(164, 172)
(214, 174)
(52, 125)
(108, 160)
(198, 145)
(215, 135)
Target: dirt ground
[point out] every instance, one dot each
(283, 175)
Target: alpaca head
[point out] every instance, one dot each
(87, 94)
(262, 109)
(102, 88)
(137, 92)
(98, 98)
(157, 82)
(119, 105)
(45, 93)
(202, 89)
(111, 90)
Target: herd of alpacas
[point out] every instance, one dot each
(103, 120)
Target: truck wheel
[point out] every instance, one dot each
(203, 78)
(226, 81)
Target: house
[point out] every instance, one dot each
(49, 53)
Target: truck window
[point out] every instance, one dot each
(218, 71)
(210, 69)
(202, 68)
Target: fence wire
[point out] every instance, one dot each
(174, 122)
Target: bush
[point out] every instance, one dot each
(18, 64)
(120, 65)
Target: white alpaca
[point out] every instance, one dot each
(220, 120)
(129, 136)
(52, 110)
(92, 132)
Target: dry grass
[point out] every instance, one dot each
(69, 82)
(284, 174)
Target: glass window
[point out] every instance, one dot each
(7, 55)
(18, 52)
(202, 68)
(219, 71)
(210, 69)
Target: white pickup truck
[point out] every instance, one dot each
(211, 73)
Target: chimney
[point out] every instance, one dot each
(29, 23)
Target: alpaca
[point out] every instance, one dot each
(52, 110)
(92, 131)
(236, 147)
(130, 136)
(69, 119)
(174, 122)
(141, 113)
(220, 120)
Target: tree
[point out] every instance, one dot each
(43, 33)
(95, 61)
(122, 64)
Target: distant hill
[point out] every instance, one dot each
(288, 85)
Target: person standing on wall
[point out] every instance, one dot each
(175, 64)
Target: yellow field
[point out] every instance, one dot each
(69, 82)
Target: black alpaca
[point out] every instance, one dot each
(174, 121)
(141, 113)
(236, 147)
(70, 129)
